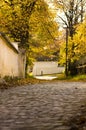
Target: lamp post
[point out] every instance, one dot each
(66, 65)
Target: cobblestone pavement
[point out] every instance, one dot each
(46, 106)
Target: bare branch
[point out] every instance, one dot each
(64, 21)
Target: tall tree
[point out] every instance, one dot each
(79, 40)
(44, 32)
(29, 22)
(27, 18)
(72, 14)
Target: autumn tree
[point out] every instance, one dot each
(44, 32)
(80, 40)
(27, 18)
(29, 22)
(72, 14)
(15, 19)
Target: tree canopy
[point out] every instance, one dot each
(29, 22)
(72, 14)
(22, 19)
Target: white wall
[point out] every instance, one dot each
(48, 67)
(15, 44)
(8, 60)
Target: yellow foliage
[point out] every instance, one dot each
(76, 46)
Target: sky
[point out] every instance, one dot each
(57, 19)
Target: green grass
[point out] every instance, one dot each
(80, 77)
(74, 78)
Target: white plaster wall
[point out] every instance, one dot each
(15, 44)
(8, 60)
(48, 67)
(45, 68)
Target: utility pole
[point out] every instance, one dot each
(66, 65)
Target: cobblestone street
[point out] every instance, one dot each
(46, 106)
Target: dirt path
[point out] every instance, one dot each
(47, 106)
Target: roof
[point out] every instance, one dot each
(8, 42)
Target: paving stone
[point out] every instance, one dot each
(46, 106)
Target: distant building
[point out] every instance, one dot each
(12, 60)
(46, 67)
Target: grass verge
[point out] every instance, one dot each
(71, 78)
(14, 82)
